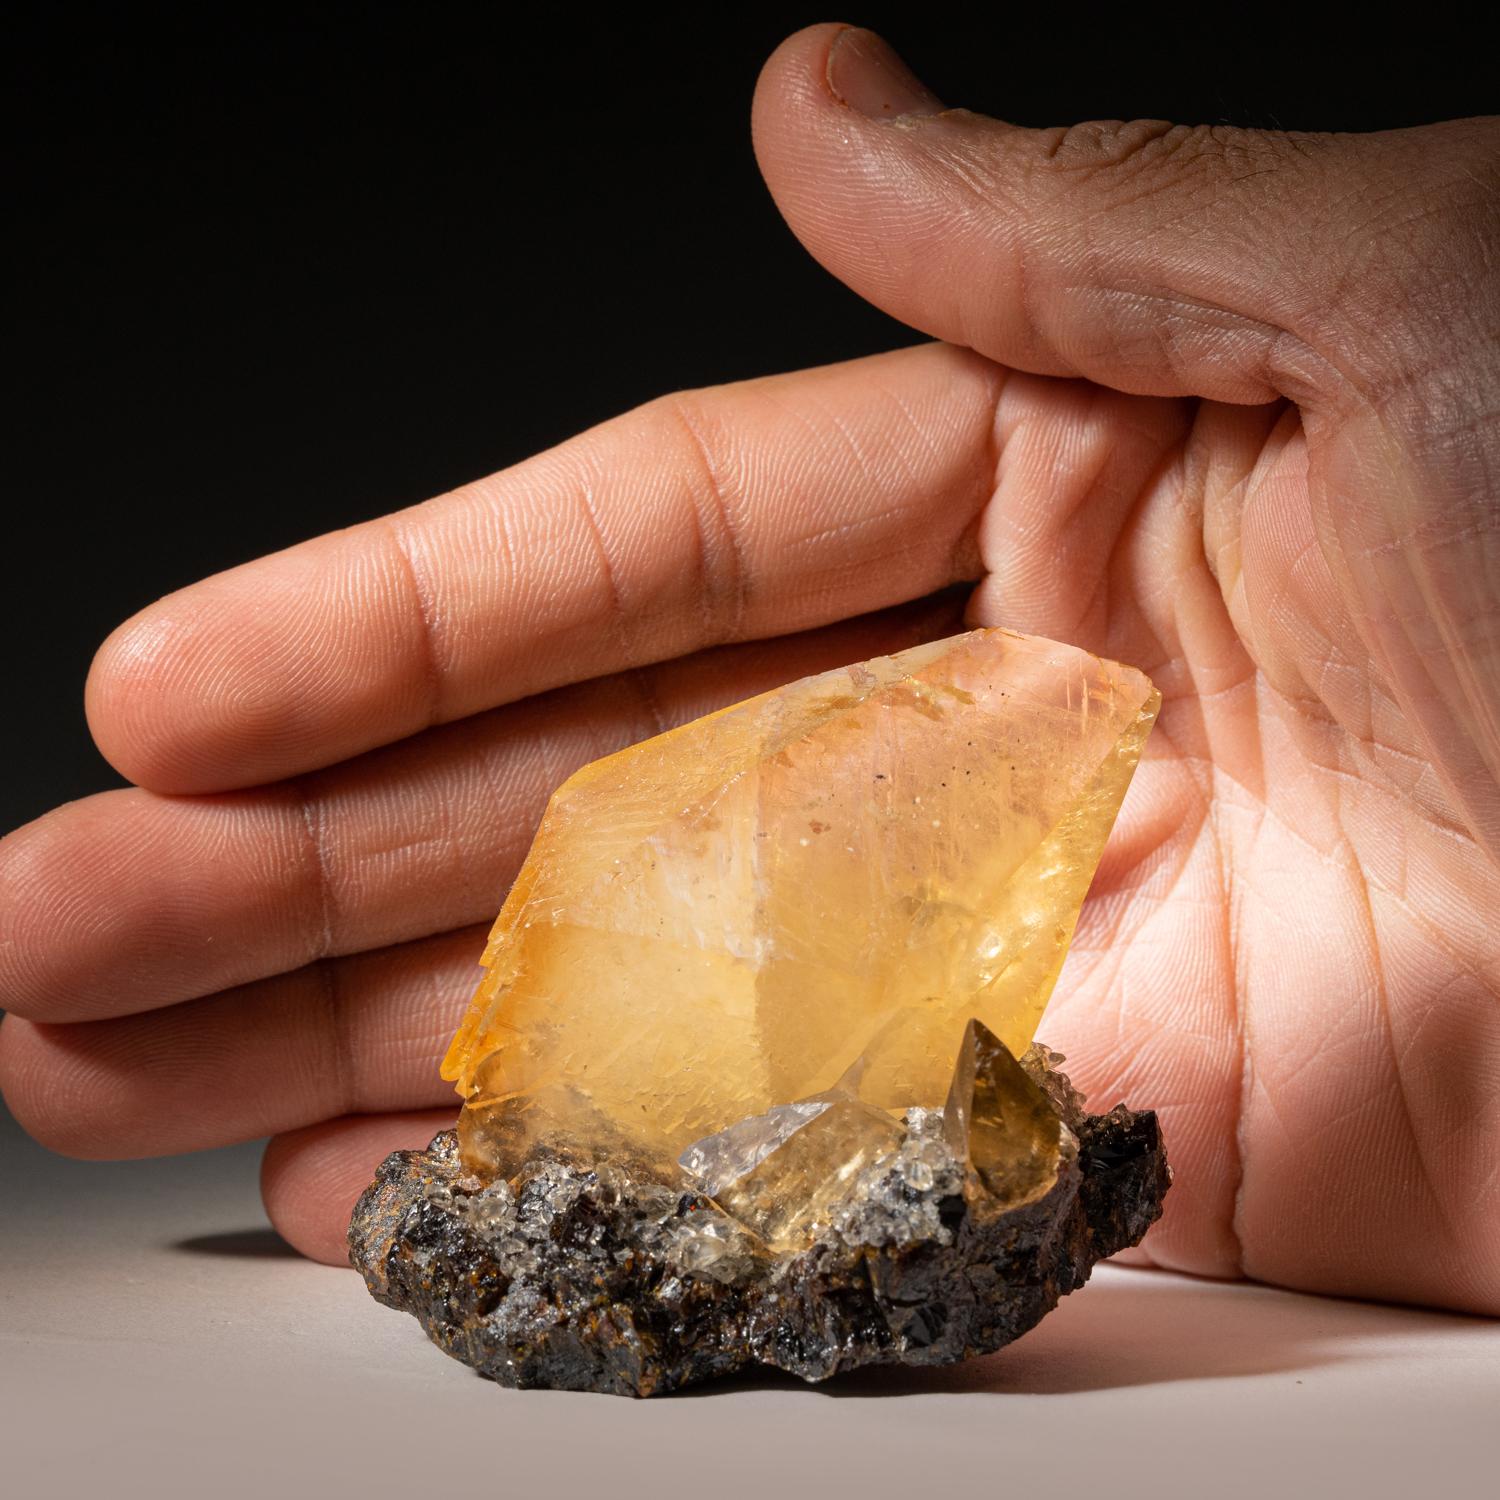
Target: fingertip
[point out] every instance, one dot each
(68, 899)
(808, 45)
(791, 79)
(270, 669)
(855, 185)
(310, 1179)
(58, 1102)
(30, 917)
(145, 697)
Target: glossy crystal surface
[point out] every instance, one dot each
(720, 920)
(999, 1123)
(777, 1172)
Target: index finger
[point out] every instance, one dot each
(729, 513)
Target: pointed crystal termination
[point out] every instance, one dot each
(720, 919)
(1000, 1123)
(777, 1172)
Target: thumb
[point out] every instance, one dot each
(1154, 258)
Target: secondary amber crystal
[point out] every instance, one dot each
(720, 920)
(999, 1123)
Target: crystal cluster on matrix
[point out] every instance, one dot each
(751, 1079)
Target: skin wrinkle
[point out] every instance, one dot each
(907, 463)
(703, 565)
(609, 576)
(1437, 1199)
(1138, 867)
(1414, 692)
(1209, 827)
(1096, 269)
(831, 418)
(1377, 242)
(340, 1069)
(1104, 145)
(1249, 1090)
(1416, 379)
(859, 460)
(845, 530)
(312, 823)
(427, 620)
(1483, 705)
(1299, 372)
(499, 513)
(915, 429)
(960, 162)
(1373, 755)
(1153, 310)
(1436, 934)
(1202, 195)
(966, 562)
(723, 580)
(1363, 876)
(656, 722)
(970, 175)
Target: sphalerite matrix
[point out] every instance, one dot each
(750, 1076)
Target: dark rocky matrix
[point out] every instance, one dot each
(593, 1274)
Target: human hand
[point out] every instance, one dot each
(1255, 454)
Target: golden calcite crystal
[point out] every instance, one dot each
(1000, 1124)
(721, 919)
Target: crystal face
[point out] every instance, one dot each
(999, 1123)
(721, 920)
(777, 1172)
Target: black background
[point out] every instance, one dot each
(278, 275)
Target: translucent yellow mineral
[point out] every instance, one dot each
(720, 920)
(1000, 1124)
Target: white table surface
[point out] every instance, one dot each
(156, 1339)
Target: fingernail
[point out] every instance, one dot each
(866, 73)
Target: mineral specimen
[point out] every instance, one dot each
(741, 1081)
(590, 1272)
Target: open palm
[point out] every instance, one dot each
(1270, 488)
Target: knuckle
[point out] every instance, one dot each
(129, 669)
(1161, 153)
(1200, 186)
(1410, 286)
(1093, 145)
(723, 563)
